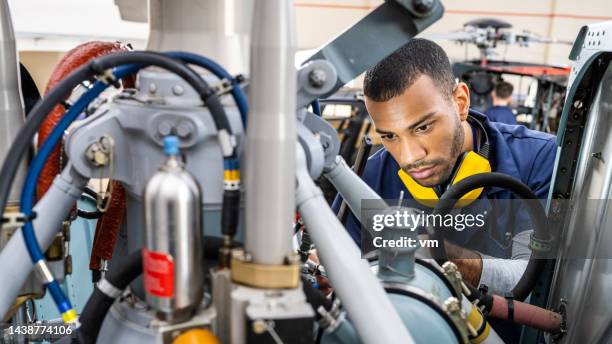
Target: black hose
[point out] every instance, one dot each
(230, 213)
(86, 214)
(88, 71)
(534, 208)
(99, 303)
(212, 245)
(89, 215)
(305, 246)
(91, 193)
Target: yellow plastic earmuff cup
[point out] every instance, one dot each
(471, 164)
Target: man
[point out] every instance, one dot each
(502, 97)
(423, 118)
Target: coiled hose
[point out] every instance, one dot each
(535, 210)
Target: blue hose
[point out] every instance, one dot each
(219, 72)
(29, 187)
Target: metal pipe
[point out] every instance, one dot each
(352, 188)
(11, 104)
(367, 304)
(51, 211)
(272, 133)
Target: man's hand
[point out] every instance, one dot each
(468, 262)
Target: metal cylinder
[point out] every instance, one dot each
(172, 256)
(270, 143)
(11, 106)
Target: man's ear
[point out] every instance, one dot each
(461, 96)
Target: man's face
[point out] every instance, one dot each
(422, 129)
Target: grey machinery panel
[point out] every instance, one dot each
(583, 274)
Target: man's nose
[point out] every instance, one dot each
(412, 151)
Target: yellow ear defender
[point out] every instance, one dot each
(470, 163)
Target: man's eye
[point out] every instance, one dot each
(424, 128)
(387, 137)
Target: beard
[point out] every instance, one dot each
(447, 165)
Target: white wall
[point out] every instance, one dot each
(58, 25)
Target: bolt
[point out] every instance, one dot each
(152, 88)
(317, 78)
(259, 326)
(184, 129)
(96, 155)
(423, 6)
(452, 305)
(164, 128)
(449, 267)
(178, 90)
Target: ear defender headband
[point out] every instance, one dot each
(470, 163)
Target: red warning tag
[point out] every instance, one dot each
(158, 268)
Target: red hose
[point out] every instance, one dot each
(107, 228)
(526, 314)
(109, 224)
(72, 60)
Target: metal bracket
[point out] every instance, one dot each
(562, 309)
(319, 141)
(361, 47)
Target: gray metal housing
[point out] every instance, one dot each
(583, 272)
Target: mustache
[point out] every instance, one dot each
(420, 164)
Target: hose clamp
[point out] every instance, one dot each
(108, 77)
(227, 142)
(108, 288)
(224, 87)
(540, 245)
(43, 272)
(330, 320)
(17, 219)
(510, 299)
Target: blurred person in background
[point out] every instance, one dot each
(501, 110)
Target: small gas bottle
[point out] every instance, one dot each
(172, 256)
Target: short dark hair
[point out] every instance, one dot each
(398, 71)
(503, 89)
